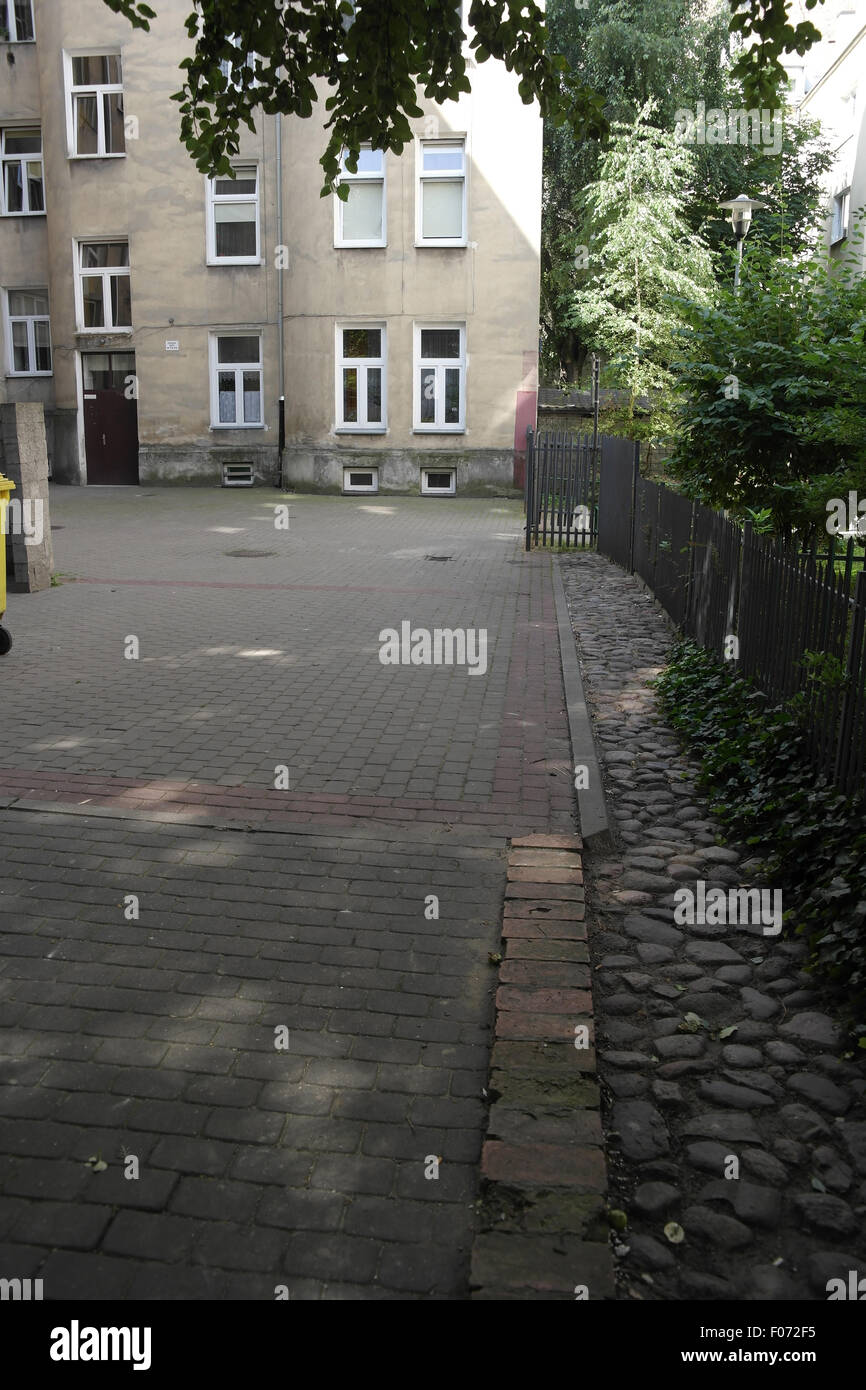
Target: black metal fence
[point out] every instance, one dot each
(795, 623)
(561, 489)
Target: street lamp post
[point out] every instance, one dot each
(741, 210)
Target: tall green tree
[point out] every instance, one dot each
(642, 257)
(678, 53)
(630, 51)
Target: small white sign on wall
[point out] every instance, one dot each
(172, 345)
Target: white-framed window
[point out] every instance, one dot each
(441, 199)
(236, 381)
(840, 211)
(360, 479)
(104, 300)
(361, 219)
(440, 378)
(239, 72)
(94, 105)
(28, 333)
(23, 190)
(233, 218)
(438, 482)
(16, 21)
(361, 378)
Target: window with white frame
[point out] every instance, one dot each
(16, 21)
(95, 105)
(441, 201)
(440, 378)
(236, 380)
(104, 297)
(361, 378)
(438, 482)
(360, 479)
(233, 218)
(28, 336)
(23, 190)
(840, 210)
(360, 220)
(239, 71)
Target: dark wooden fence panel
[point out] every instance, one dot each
(646, 525)
(674, 554)
(712, 607)
(615, 499)
(850, 766)
(788, 620)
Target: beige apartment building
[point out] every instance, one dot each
(160, 316)
(828, 84)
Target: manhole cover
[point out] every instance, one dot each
(438, 557)
(249, 554)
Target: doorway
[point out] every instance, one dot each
(110, 417)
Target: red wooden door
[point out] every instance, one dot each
(110, 419)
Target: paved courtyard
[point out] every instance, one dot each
(276, 999)
(259, 648)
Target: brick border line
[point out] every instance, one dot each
(543, 1230)
(471, 837)
(243, 584)
(258, 808)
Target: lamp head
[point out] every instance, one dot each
(741, 210)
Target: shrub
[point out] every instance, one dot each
(766, 793)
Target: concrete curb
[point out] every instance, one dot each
(591, 803)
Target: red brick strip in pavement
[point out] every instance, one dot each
(289, 588)
(543, 1231)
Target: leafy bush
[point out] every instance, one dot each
(766, 793)
(772, 389)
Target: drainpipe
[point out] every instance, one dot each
(282, 365)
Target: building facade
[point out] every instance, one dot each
(159, 316)
(828, 85)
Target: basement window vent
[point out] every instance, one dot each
(438, 483)
(360, 480)
(237, 475)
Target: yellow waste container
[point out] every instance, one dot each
(6, 486)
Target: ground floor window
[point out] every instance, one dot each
(360, 480)
(440, 378)
(29, 342)
(438, 482)
(361, 378)
(236, 380)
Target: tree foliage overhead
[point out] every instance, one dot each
(374, 54)
(766, 22)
